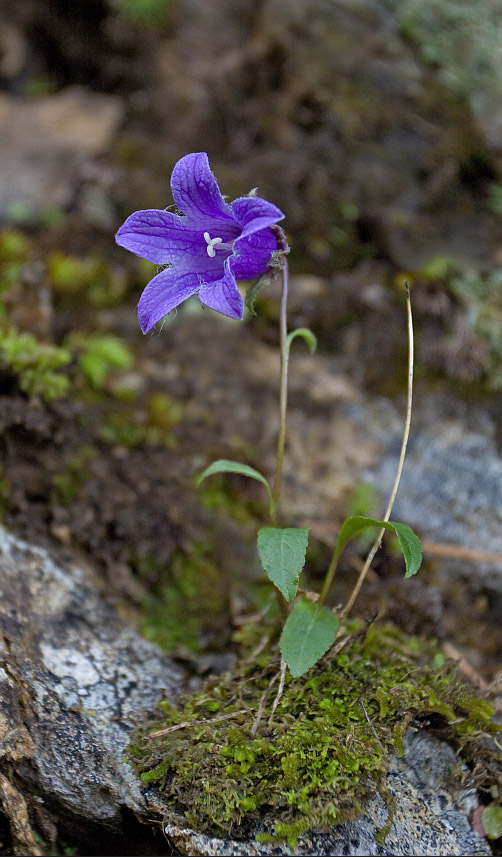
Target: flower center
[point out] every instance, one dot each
(210, 244)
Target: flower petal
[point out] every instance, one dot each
(154, 234)
(223, 295)
(254, 214)
(252, 254)
(165, 292)
(196, 192)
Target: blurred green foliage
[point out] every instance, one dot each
(90, 278)
(145, 11)
(98, 355)
(67, 483)
(149, 426)
(462, 38)
(36, 364)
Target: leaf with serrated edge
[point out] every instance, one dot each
(307, 635)
(409, 543)
(282, 555)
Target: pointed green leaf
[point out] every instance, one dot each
(308, 634)
(282, 555)
(409, 543)
(223, 465)
(306, 334)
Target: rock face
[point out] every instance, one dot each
(72, 681)
(430, 816)
(451, 489)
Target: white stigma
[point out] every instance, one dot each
(210, 244)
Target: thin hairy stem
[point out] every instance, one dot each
(404, 444)
(283, 386)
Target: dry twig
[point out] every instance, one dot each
(187, 723)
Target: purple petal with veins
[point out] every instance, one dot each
(162, 294)
(252, 255)
(223, 295)
(196, 192)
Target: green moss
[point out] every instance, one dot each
(90, 278)
(152, 12)
(67, 483)
(461, 39)
(186, 609)
(36, 364)
(98, 355)
(150, 425)
(324, 751)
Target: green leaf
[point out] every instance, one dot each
(409, 543)
(252, 292)
(308, 634)
(223, 465)
(306, 334)
(282, 555)
(492, 821)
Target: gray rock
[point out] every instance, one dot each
(74, 679)
(451, 488)
(430, 816)
(45, 141)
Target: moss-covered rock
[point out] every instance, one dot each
(313, 755)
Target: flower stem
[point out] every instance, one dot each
(404, 444)
(334, 560)
(283, 400)
(283, 386)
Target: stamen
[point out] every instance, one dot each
(210, 244)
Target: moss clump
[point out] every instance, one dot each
(151, 425)
(322, 753)
(67, 483)
(185, 610)
(35, 363)
(90, 278)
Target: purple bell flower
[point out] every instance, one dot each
(205, 251)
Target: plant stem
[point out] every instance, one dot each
(283, 386)
(334, 560)
(404, 444)
(283, 400)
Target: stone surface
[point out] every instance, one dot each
(45, 141)
(73, 680)
(430, 816)
(451, 488)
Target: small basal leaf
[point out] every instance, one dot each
(409, 543)
(282, 555)
(308, 634)
(223, 465)
(492, 820)
(306, 334)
